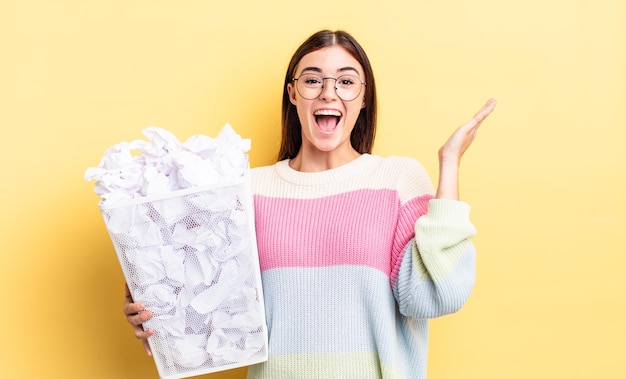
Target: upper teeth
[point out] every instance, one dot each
(327, 112)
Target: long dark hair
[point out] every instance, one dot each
(362, 137)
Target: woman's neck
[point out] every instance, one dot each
(321, 161)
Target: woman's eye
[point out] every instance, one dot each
(346, 82)
(312, 80)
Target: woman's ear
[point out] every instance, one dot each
(292, 93)
(363, 104)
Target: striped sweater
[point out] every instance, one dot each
(354, 260)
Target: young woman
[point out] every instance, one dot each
(357, 251)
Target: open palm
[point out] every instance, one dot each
(462, 138)
(452, 151)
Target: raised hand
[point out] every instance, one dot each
(452, 151)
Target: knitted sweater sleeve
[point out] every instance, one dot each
(436, 272)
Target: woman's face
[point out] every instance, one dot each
(327, 120)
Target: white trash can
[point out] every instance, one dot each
(191, 257)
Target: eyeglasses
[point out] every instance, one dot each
(347, 87)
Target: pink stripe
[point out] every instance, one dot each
(356, 228)
(409, 214)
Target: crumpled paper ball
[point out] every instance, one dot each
(164, 164)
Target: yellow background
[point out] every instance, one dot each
(545, 177)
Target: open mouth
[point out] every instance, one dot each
(327, 119)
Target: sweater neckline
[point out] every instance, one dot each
(322, 177)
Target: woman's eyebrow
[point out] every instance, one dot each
(348, 68)
(317, 69)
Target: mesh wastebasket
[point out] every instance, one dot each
(191, 257)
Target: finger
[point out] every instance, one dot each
(133, 308)
(142, 334)
(472, 125)
(140, 317)
(146, 347)
(485, 110)
(130, 307)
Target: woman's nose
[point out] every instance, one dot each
(329, 89)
